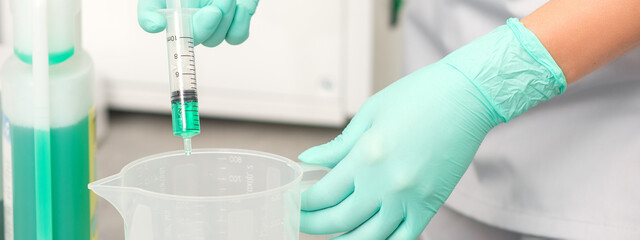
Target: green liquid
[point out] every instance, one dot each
(185, 118)
(2, 220)
(70, 164)
(54, 58)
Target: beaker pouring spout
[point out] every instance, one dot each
(111, 189)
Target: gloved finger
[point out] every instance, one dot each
(149, 18)
(331, 189)
(414, 223)
(381, 225)
(205, 22)
(331, 153)
(346, 216)
(239, 30)
(228, 9)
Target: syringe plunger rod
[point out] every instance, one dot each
(180, 4)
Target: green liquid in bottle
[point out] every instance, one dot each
(71, 164)
(54, 58)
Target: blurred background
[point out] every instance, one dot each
(305, 70)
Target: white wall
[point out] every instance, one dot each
(388, 46)
(310, 62)
(5, 21)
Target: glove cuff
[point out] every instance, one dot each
(511, 68)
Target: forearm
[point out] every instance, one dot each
(583, 35)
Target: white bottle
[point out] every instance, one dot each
(72, 122)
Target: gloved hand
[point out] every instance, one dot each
(216, 20)
(401, 156)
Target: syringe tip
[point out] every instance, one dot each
(187, 146)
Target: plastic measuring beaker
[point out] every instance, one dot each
(211, 194)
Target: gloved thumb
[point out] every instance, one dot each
(331, 153)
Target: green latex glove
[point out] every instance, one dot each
(212, 24)
(401, 156)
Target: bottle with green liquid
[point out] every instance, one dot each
(72, 127)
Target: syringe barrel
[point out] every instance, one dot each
(180, 49)
(182, 72)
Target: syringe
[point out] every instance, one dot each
(182, 72)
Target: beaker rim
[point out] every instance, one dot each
(283, 187)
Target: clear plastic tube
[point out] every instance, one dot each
(42, 133)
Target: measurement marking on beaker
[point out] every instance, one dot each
(249, 179)
(235, 178)
(235, 159)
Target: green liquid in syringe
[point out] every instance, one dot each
(184, 112)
